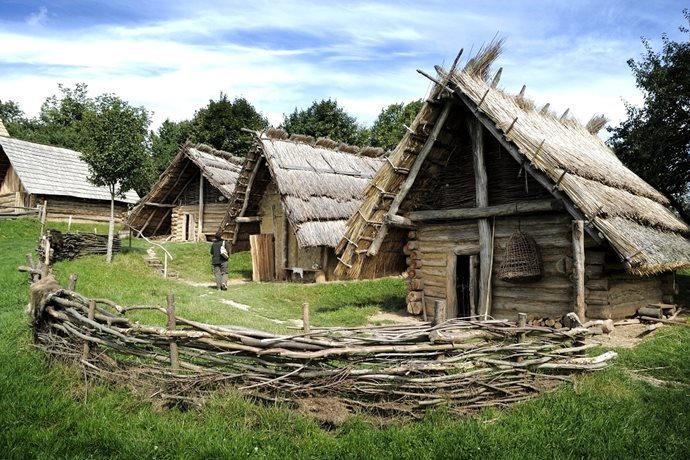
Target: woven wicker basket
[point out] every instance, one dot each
(522, 261)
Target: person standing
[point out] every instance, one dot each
(220, 253)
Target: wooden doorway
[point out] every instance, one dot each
(188, 227)
(462, 286)
(466, 285)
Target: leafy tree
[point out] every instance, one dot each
(654, 141)
(115, 149)
(61, 117)
(13, 118)
(220, 124)
(167, 141)
(326, 119)
(389, 127)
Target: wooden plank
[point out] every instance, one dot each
(579, 303)
(200, 229)
(510, 209)
(451, 290)
(409, 180)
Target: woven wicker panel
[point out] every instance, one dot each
(522, 262)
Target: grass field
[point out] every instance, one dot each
(638, 408)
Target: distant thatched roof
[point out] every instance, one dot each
(220, 169)
(54, 171)
(319, 182)
(630, 214)
(3, 130)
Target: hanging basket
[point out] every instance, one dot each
(522, 262)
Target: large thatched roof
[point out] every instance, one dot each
(592, 182)
(320, 183)
(219, 168)
(52, 171)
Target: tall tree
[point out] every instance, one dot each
(326, 119)
(654, 141)
(115, 149)
(61, 118)
(220, 124)
(13, 118)
(389, 127)
(166, 143)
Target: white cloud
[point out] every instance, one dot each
(286, 55)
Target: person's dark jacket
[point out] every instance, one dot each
(216, 258)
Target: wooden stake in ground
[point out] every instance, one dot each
(174, 356)
(90, 315)
(305, 318)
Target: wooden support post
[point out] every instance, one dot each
(174, 356)
(482, 201)
(200, 231)
(579, 306)
(91, 314)
(305, 318)
(451, 286)
(72, 282)
(439, 312)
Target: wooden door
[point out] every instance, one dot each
(263, 257)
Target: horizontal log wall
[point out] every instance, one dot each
(548, 297)
(551, 296)
(625, 294)
(81, 210)
(8, 201)
(213, 216)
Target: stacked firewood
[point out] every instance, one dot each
(67, 246)
(415, 282)
(461, 363)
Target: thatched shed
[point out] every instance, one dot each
(31, 174)
(301, 192)
(489, 196)
(190, 198)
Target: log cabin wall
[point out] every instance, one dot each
(552, 295)
(80, 210)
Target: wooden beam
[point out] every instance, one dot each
(579, 305)
(510, 209)
(160, 205)
(248, 219)
(481, 184)
(451, 288)
(539, 176)
(398, 221)
(200, 231)
(409, 180)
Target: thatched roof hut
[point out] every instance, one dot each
(302, 192)
(188, 202)
(32, 173)
(475, 154)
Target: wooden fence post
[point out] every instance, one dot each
(439, 312)
(72, 281)
(522, 322)
(174, 355)
(305, 318)
(90, 315)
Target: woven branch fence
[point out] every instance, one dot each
(401, 369)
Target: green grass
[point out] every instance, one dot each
(47, 412)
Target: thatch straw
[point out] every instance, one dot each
(319, 187)
(220, 168)
(596, 123)
(615, 200)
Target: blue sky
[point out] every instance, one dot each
(173, 56)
